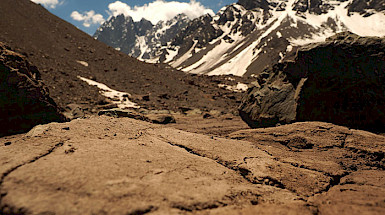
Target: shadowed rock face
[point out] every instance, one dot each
(364, 7)
(338, 81)
(199, 29)
(24, 100)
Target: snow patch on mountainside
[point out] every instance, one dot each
(240, 87)
(238, 64)
(315, 28)
(185, 56)
(117, 97)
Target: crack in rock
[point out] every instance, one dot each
(290, 163)
(143, 211)
(335, 180)
(245, 173)
(5, 209)
(251, 197)
(199, 206)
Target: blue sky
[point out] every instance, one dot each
(90, 13)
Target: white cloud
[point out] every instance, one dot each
(88, 18)
(159, 10)
(48, 3)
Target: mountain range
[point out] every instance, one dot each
(242, 38)
(63, 53)
(206, 160)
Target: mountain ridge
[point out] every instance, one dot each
(245, 37)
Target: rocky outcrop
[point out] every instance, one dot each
(254, 4)
(338, 81)
(155, 118)
(366, 7)
(103, 165)
(199, 30)
(24, 100)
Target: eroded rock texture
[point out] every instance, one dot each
(103, 165)
(339, 81)
(24, 100)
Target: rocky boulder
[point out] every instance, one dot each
(155, 117)
(338, 81)
(24, 100)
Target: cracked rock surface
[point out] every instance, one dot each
(103, 165)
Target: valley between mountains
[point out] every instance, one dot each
(268, 107)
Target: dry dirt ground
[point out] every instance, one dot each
(103, 165)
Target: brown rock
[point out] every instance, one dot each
(128, 166)
(24, 99)
(161, 118)
(338, 81)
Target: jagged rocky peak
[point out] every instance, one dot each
(253, 4)
(199, 31)
(228, 15)
(323, 6)
(367, 7)
(312, 6)
(141, 39)
(364, 7)
(121, 32)
(236, 18)
(149, 45)
(143, 26)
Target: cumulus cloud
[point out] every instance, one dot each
(48, 3)
(159, 10)
(88, 18)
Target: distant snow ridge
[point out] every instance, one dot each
(244, 38)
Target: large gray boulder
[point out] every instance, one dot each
(340, 81)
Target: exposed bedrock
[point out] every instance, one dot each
(103, 165)
(338, 81)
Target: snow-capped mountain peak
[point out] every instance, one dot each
(260, 33)
(245, 37)
(139, 39)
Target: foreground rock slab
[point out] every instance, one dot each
(104, 165)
